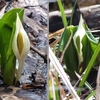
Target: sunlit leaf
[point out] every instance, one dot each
(6, 36)
(70, 57)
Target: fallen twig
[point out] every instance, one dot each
(43, 55)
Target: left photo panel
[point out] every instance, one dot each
(23, 49)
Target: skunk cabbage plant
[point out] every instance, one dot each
(8, 59)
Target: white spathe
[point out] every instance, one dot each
(80, 32)
(25, 48)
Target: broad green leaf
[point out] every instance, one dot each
(93, 41)
(10, 17)
(90, 44)
(89, 66)
(70, 57)
(87, 51)
(71, 74)
(8, 59)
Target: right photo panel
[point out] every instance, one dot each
(74, 50)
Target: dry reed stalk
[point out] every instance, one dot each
(62, 74)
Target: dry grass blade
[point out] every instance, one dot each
(70, 38)
(57, 33)
(55, 42)
(62, 74)
(62, 92)
(59, 86)
(79, 78)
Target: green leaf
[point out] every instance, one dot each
(89, 66)
(8, 60)
(10, 17)
(62, 12)
(70, 56)
(7, 56)
(87, 51)
(90, 95)
(90, 44)
(73, 10)
(93, 41)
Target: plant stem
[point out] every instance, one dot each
(19, 71)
